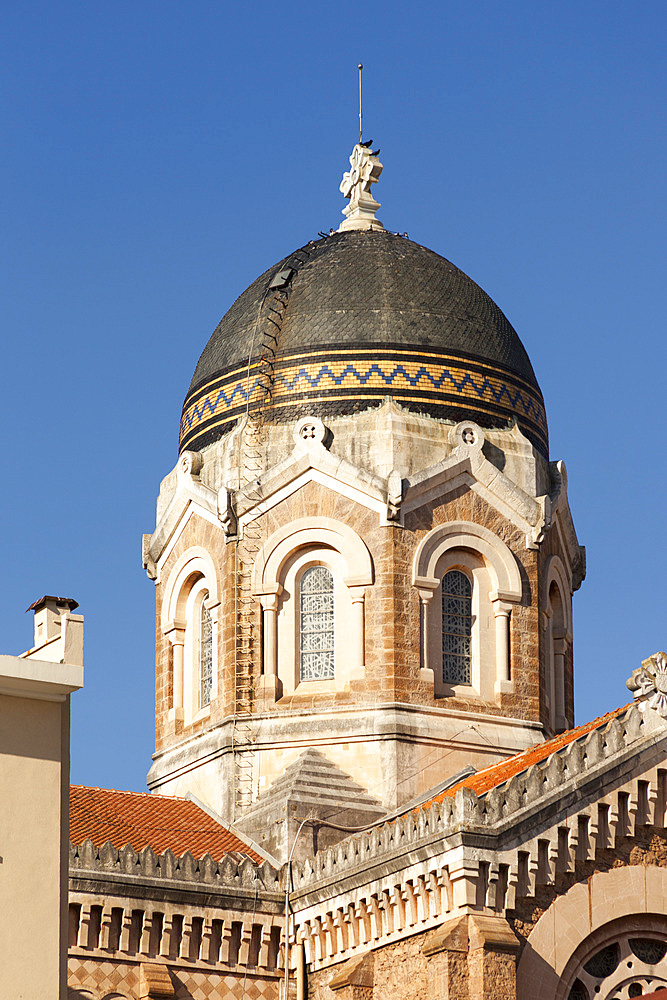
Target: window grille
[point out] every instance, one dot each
(316, 631)
(456, 627)
(205, 657)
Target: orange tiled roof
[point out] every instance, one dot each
(145, 820)
(483, 781)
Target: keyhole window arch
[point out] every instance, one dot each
(456, 627)
(316, 624)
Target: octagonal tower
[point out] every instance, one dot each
(364, 560)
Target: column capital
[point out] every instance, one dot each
(175, 632)
(501, 609)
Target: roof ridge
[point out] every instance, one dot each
(126, 791)
(509, 767)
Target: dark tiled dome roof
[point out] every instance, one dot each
(364, 315)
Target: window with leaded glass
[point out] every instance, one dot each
(456, 627)
(205, 657)
(316, 624)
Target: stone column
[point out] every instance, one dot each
(270, 609)
(426, 672)
(501, 612)
(175, 632)
(358, 645)
(270, 686)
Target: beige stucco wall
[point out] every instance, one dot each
(34, 825)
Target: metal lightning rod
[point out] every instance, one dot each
(360, 67)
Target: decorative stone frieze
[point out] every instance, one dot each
(233, 870)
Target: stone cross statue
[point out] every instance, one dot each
(356, 185)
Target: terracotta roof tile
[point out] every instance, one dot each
(490, 777)
(145, 820)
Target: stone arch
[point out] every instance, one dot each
(556, 575)
(558, 638)
(306, 531)
(468, 535)
(194, 562)
(633, 895)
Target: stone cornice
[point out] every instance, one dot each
(467, 465)
(305, 463)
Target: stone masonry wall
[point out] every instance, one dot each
(647, 846)
(392, 635)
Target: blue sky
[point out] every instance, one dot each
(158, 156)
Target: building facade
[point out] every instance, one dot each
(364, 563)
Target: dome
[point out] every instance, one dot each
(350, 319)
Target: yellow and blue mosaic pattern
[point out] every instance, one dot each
(345, 380)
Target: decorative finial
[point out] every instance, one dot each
(356, 185)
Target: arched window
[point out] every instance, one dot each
(316, 624)
(456, 628)
(205, 655)
(189, 619)
(556, 647)
(475, 579)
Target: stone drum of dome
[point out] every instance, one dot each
(355, 317)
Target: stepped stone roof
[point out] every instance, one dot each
(313, 780)
(496, 774)
(145, 820)
(355, 317)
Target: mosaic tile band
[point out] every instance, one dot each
(442, 385)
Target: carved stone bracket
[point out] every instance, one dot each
(394, 497)
(227, 514)
(649, 683)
